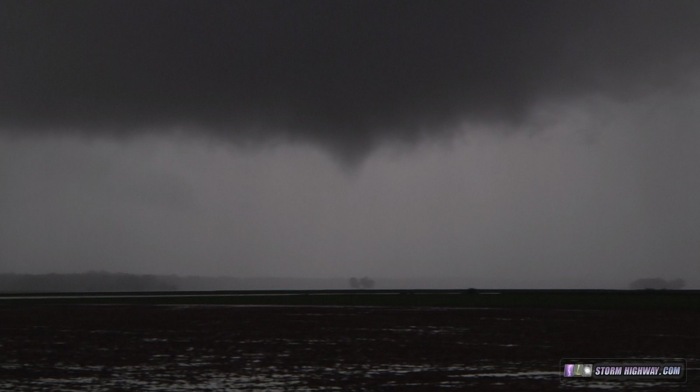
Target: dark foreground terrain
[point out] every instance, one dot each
(136, 347)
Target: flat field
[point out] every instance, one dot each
(312, 341)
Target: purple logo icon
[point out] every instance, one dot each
(578, 370)
(569, 370)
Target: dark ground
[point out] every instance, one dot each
(275, 348)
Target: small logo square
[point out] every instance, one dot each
(578, 370)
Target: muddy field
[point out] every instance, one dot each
(278, 348)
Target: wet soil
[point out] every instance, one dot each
(274, 348)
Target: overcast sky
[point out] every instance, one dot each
(553, 143)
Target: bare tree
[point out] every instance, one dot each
(367, 283)
(354, 283)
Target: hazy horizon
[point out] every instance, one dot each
(506, 142)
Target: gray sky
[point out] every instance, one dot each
(551, 143)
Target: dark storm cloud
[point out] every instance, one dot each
(343, 74)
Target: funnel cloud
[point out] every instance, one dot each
(521, 144)
(345, 75)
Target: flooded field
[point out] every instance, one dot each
(323, 348)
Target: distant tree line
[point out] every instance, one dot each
(657, 284)
(82, 282)
(362, 283)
